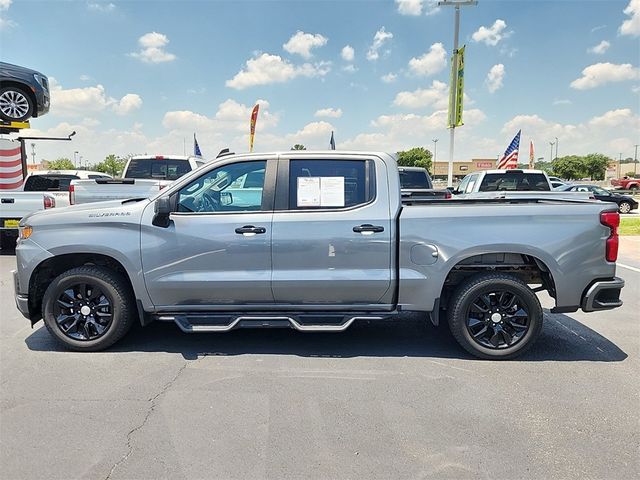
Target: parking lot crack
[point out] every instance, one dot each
(152, 406)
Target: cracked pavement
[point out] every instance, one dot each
(378, 401)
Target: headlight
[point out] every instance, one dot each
(42, 80)
(25, 232)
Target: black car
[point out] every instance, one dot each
(24, 93)
(625, 202)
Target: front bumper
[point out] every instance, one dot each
(603, 295)
(22, 301)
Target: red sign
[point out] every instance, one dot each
(485, 164)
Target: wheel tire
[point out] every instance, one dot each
(20, 97)
(469, 291)
(115, 289)
(624, 207)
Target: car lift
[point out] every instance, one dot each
(7, 127)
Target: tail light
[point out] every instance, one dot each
(72, 195)
(49, 202)
(611, 220)
(447, 195)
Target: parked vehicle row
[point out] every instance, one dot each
(143, 176)
(314, 241)
(625, 203)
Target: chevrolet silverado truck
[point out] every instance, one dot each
(314, 241)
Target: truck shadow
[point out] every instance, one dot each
(563, 339)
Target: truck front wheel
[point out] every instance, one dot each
(495, 316)
(88, 308)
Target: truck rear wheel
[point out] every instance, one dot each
(88, 308)
(495, 316)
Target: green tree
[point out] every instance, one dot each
(111, 165)
(61, 164)
(571, 167)
(298, 146)
(416, 157)
(595, 164)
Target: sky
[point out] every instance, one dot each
(140, 77)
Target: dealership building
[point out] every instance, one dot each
(460, 168)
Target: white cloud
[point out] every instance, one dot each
(347, 53)
(600, 49)
(562, 102)
(329, 113)
(389, 77)
(598, 27)
(492, 35)
(302, 43)
(350, 68)
(631, 26)
(602, 73)
(614, 118)
(436, 96)
(635, 89)
(6, 23)
(409, 7)
(379, 39)
(76, 102)
(609, 133)
(266, 69)
(102, 7)
(431, 62)
(495, 77)
(415, 7)
(85, 78)
(153, 48)
(127, 104)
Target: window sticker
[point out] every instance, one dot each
(308, 191)
(332, 191)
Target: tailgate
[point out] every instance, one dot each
(101, 189)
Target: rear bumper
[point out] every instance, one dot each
(22, 301)
(603, 295)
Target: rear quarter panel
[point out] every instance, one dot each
(567, 238)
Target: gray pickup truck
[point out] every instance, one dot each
(313, 241)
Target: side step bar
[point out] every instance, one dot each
(262, 321)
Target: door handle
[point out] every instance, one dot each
(250, 230)
(368, 229)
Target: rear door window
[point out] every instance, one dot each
(414, 179)
(48, 183)
(321, 184)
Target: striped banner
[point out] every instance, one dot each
(11, 175)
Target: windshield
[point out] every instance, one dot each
(164, 169)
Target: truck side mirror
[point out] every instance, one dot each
(163, 207)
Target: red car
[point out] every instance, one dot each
(626, 183)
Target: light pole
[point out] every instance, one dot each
(33, 153)
(635, 162)
(454, 77)
(557, 143)
(551, 153)
(75, 159)
(435, 149)
(619, 165)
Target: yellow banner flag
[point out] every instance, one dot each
(252, 126)
(456, 92)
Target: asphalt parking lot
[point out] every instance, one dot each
(388, 400)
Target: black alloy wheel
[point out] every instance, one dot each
(83, 312)
(89, 308)
(497, 319)
(494, 315)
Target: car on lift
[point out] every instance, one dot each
(24, 93)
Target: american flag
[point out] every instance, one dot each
(510, 157)
(11, 175)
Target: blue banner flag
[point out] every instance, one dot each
(196, 147)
